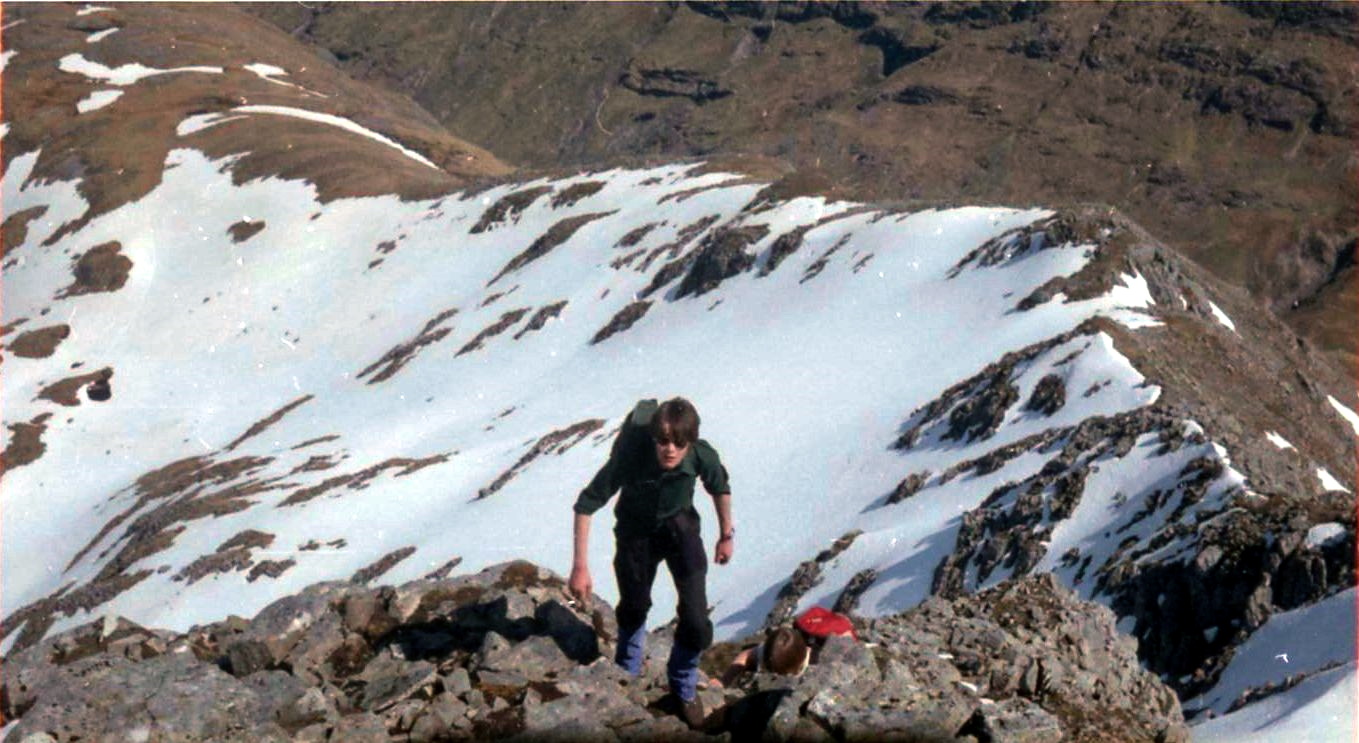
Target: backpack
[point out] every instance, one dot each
(635, 435)
(822, 623)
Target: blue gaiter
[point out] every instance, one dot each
(683, 671)
(630, 646)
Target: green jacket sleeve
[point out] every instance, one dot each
(710, 469)
(604, 484)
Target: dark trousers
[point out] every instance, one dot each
(678, 544)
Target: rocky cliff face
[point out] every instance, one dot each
(1224, 128)
(502, 654)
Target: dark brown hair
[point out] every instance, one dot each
(784, 651)
(678, 415)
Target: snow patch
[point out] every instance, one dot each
(1345, 413)
(5, 57)
(1278, 440)
(96, 100)
(122, 75)
(1222, 316)
(1321, 708)
(265, 70)
(203, 121)
(1328, 480)
(199, 122)
(1131, 296)
(98, 36)
(268, 72)
(91, 9)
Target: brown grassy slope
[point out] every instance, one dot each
(1224, 129)
(118, 151)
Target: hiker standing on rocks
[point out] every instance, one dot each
(655, 460)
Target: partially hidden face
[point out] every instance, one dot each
(669, 451)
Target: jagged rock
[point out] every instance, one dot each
(670, 82)
(389, 681)
(578, 639)
(107, 696)
(361, 727)
(308, 708)
(489, 656)
(908, 487)
(457, 681)
(1048, 396)
(721, 256)
(848, 600)
(535, 658)
(315, 648)
(1015, 720)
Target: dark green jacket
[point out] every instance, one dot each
(649, 494)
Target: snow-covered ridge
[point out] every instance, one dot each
(302, 308)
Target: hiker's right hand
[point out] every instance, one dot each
(581, 586)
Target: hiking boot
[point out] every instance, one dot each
(692, 713)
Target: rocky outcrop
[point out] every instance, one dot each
(503, 654)
(671, 83)
(721, 256)
(804, 578)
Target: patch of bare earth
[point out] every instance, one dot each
(508, 208)
(269, 569)
(317, 440)
(557, 442)
(25, 443)
(444, 570)
(359, 480)
(386, 562)
(315, 464)
(100, 269)
(635, 236)
(494, 329)
(39, 343)
(571, 194)
(232, 555)
(245, 229)
(400, 355)
(555, 235)
(541, 317)
(626, 318)
(67, 391)
(260, 426)
(14, 230)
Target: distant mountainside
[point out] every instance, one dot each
(1225, 128)
(308, 335)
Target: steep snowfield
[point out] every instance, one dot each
(803, 385)
(1315, 647)
(360, 376)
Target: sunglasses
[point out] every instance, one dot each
(669, 441)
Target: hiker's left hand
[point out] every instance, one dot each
(725, 547)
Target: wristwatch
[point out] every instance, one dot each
(730, 533)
